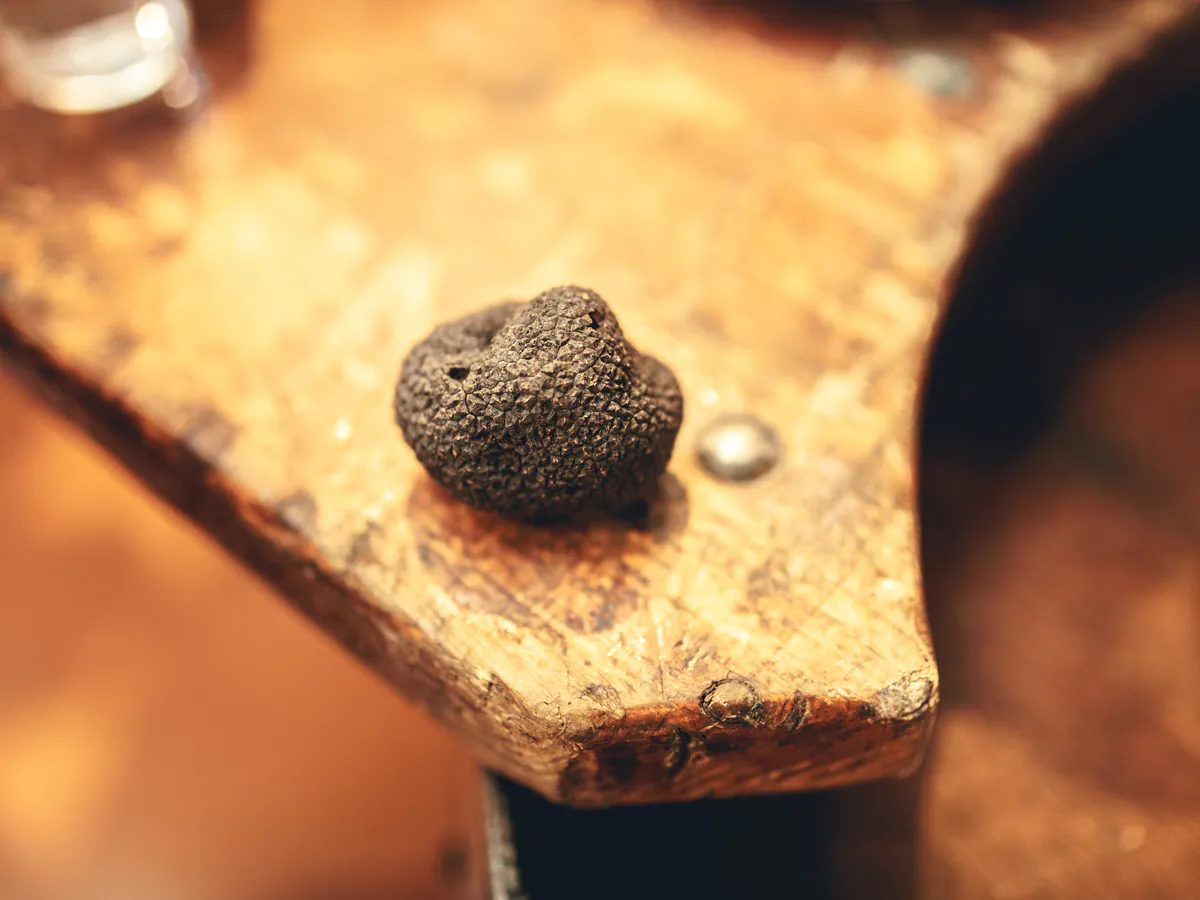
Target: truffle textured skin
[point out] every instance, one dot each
(539, 410)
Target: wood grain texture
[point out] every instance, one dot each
(225, 306)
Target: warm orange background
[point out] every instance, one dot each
(170, 730)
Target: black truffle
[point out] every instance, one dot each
(539, 410)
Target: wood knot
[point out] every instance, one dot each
(732, 701)
(678, 752)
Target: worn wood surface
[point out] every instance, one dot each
(225, 306)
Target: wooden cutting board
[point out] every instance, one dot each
(771, 207)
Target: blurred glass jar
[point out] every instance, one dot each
(84, 56)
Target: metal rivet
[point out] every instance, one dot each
(732, 701)
(939, 73)
(907, 698)
(738, 448)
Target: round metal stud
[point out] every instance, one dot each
(739, 448)
(939, 73)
